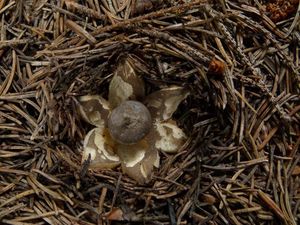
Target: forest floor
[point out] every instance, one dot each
(240, 59)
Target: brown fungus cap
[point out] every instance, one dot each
(129, 122)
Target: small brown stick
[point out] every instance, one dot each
(63, 11)
(101, 200)
(74, 6)
(194, 53)
(12, 43)
(130, 22)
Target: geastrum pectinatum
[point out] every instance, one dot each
(131, 129)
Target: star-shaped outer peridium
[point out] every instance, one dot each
(139, 159)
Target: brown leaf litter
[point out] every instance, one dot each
(240, 61)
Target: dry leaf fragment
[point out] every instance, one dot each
(216, 67)
(208, 198)
(296, 171)
(116, 214)
(282, 9)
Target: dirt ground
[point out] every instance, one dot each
(240, 61)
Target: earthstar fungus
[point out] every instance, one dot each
(131, 128)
